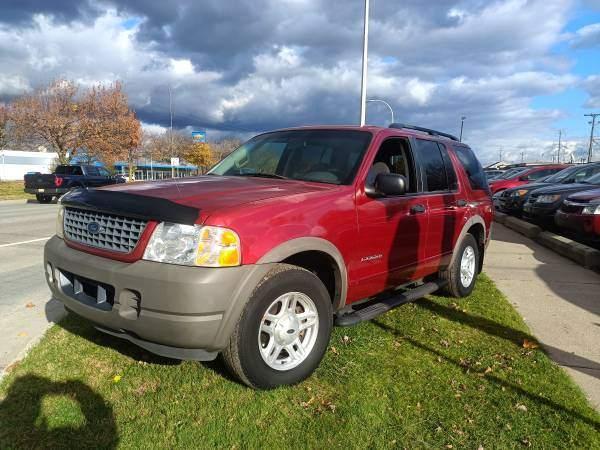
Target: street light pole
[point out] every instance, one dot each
(462, 124)
(363, 85)
(385, 103)
(591, 148)
(171, 132)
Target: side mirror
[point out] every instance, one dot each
(387, 184)
(524, 178)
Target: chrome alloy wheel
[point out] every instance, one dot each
(467, 266)
(288, 331)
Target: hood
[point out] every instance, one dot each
(586, 196)
(212, 192)
(564, 188)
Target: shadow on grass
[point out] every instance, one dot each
(490, 327)
(23, 423)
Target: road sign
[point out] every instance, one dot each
(199, 136)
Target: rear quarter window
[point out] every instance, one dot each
(472, 167)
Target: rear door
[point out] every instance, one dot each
(446, 201)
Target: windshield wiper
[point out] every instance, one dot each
(263, 175)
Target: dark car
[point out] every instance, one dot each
(543, 203)
(580, 213)
(512, 200)
(65, 178)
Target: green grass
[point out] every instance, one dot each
(13, 190)
(432, 374)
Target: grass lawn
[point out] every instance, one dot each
(12, 190)
(431, 374)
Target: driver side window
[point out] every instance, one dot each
(394, 157)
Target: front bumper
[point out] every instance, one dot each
(584, 224)
(175, 311)
(543, 213)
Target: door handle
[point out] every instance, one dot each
(417, 209)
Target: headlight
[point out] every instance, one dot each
(194, 245)
(60, 218)
(520, 193)
(548, 198)
(591, 209)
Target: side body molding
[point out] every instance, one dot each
(304, 244)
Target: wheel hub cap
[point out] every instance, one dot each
(467, 266)
(288, 331)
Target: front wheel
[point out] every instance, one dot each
(284, 330)
(462, 273)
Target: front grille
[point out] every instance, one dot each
(101, 230)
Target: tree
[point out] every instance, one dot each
(109, 129)
(3, 126)
(225, 146)
(201, 155)
(50, 116)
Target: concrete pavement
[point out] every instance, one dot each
(559, 300)
(25, 306)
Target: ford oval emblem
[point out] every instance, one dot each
(93, 227)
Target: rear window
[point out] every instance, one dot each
(472, 167)
(68, 170)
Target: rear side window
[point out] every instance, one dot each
(472, 167)
(450, 173)
(68, 170)
(433, 165)
(92, 171)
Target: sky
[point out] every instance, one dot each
(519, 70)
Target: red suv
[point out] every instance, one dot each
(525, 176)
(294, 230)
(581, 213)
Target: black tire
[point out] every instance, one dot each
(242, 355)
(455, 286)
(41, 198)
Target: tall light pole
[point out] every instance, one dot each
(593, 123)
(171, 132)
(462, 124)
(559, 146)
(385, 103)
(363, 85)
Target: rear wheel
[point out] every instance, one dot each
(283, 332)
(462, 273)
(41, 198)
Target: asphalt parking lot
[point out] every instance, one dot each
(25, 306)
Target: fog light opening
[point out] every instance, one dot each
(50, 272)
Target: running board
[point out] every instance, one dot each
(382, 306)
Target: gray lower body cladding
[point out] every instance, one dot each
(175, 311)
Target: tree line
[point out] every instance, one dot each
(96, 123)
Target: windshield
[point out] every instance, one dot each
(594, 179)
(511, 173)
(562, 175)
(324, 156)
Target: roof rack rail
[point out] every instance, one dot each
(424, 130)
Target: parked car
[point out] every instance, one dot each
(511, 201)
(526, 175)
(257, 258)
(493, 173)
(543, 203)
(65, 178)
(580, 213)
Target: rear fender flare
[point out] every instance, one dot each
(473, 220)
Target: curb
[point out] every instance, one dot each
(20, 201)
(582, 254)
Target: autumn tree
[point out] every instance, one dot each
(3, 126)
(109, 128)
(224, 147)
(201, 155)
(50, 116)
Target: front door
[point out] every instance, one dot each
(393, 229)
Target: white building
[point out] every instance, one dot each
(15, 164)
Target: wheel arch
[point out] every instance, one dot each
(476, 227)
(319, 256)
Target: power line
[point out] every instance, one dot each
(593, 123)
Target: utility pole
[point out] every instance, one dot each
(462, 124)
(500, 154)
(522, 157)
(593, 123)
(363, 85)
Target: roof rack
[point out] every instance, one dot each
(424, 130)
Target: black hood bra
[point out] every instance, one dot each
(131, 205)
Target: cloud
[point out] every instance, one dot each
(587, 36)
(247, 66)
(592, 86)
